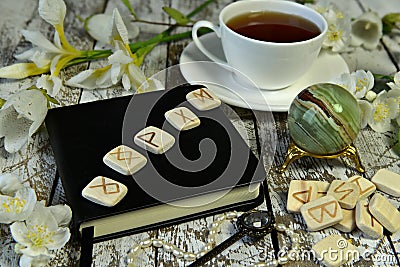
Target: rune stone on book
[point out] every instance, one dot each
(154, 140)
(104, 191)
(203, 99)
(182, 118)
(124, 160)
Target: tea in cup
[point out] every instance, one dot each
(272, 42)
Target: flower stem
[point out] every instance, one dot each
(163, 37)
(144, 47)
(199, 8)
(158, 23)
(382, 77)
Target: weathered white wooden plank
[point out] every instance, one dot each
(114, 252)
(381, 7)
(391, 40)
(35, 162)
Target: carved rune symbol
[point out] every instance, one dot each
(121, 155)
(148, 141)
(303, 196)
(372, 218)
(184, 117)
(330, 208)
(104, 186)
(203, 95)
(357, 181)
(347, 191)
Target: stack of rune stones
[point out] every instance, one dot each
(347, 204)
(127, 161)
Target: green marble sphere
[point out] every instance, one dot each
(324, 119)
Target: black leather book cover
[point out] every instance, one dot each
(208, 158)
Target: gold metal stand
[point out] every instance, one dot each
(295, 152)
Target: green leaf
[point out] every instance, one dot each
(2, 101)
(52, 100)
(396, 146)
(389, 22)
(382, 77)
(130, 8)
(177, 15)
(305, 1)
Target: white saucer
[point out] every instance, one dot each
(221, 81)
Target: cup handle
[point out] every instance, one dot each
(205, 51)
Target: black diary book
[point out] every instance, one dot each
(209, 169)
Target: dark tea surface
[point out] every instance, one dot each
(274, 27)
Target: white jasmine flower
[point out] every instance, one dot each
(20, 117)
(338, 34)
(396, 83)
(9, 184)
(99, 27)
(366, 112)
(358, 83)
(16, 201)
(62, 214)
(39, 233)
(346, 81)
(364, 82)
(40, 260)
(395, 95)
(370, 95)
(123, 65)
(384, 110)
(366, 30)
(18, 207)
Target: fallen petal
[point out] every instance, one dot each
(52, 11)
(22, 70)
(14, 130)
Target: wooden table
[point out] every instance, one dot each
(35, 162)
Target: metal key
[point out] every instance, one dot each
(254, 224)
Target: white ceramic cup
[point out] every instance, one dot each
(269, 65)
